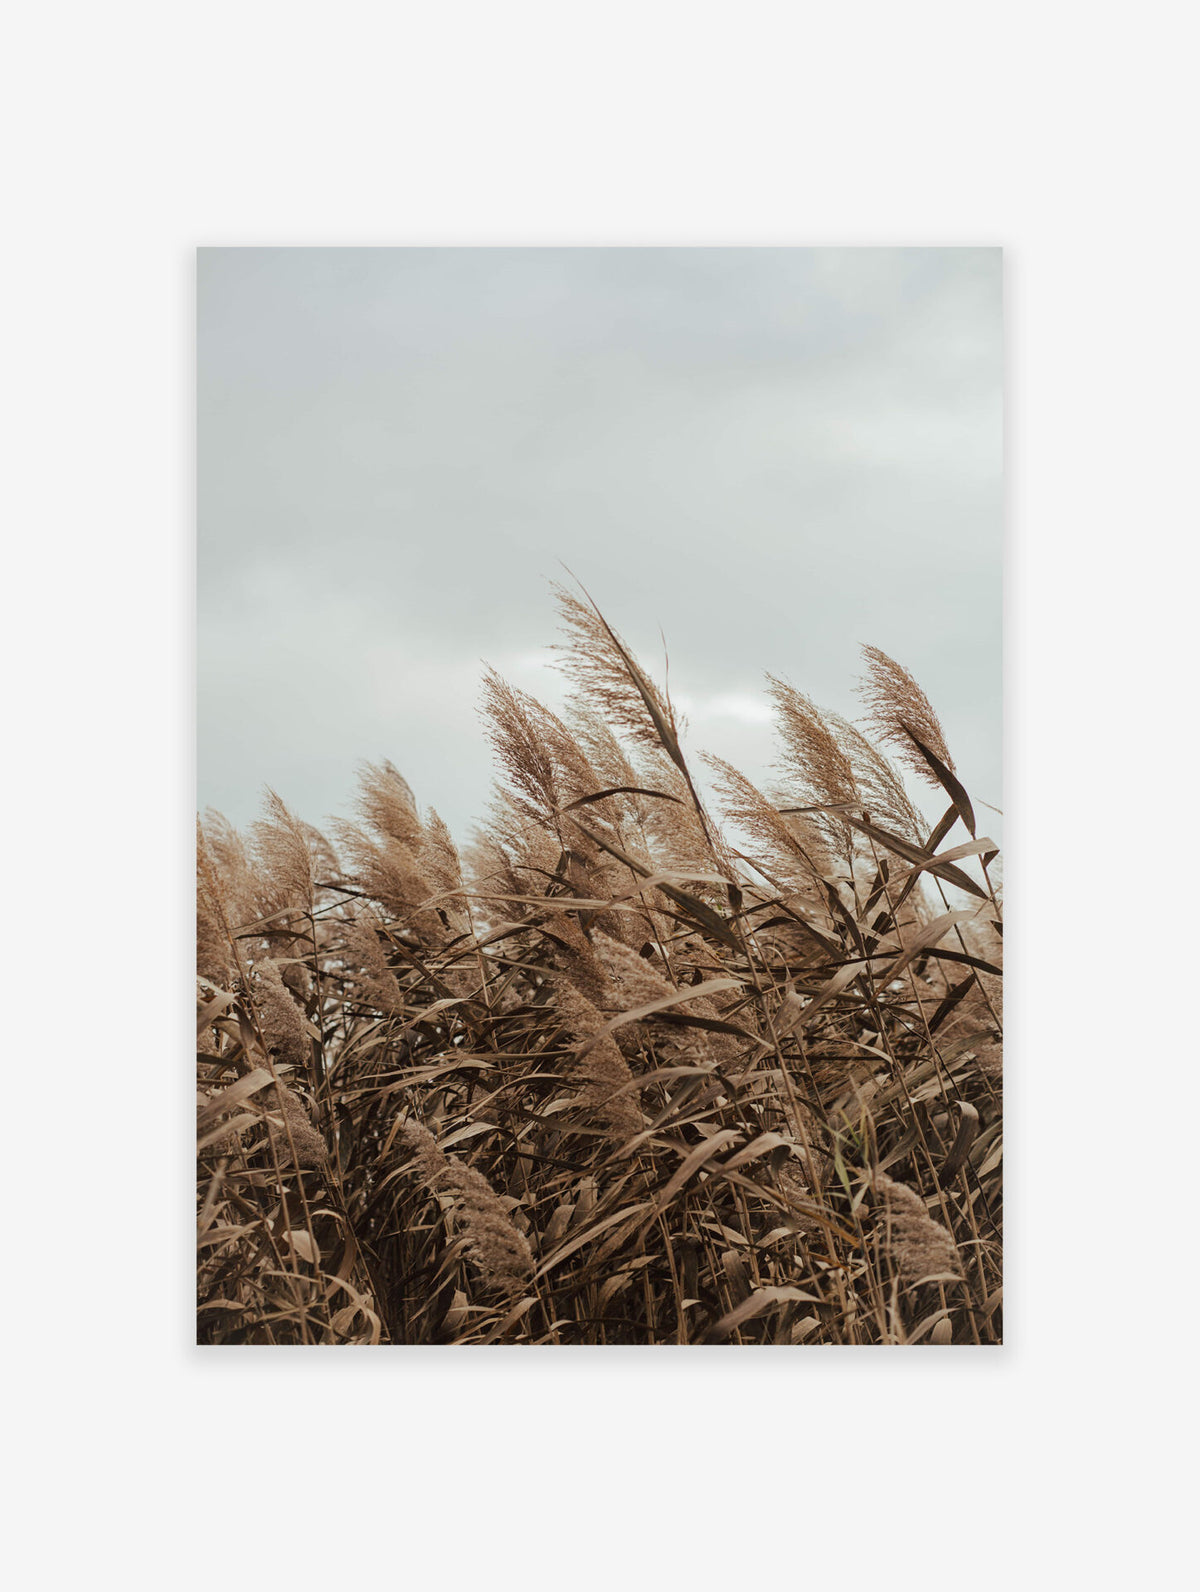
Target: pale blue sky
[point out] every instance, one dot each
(770, 454)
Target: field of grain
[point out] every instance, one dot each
(660, 1058)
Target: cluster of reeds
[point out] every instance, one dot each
(629, 1073)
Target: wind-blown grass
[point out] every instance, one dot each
(632, 1074)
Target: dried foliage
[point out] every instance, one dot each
(901, 714)
(630, 1076)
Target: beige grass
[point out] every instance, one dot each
(640, 1073)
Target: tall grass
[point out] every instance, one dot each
(632, 1071)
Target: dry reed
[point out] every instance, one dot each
(627, 1074)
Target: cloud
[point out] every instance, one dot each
(725, 705)
(767, 456)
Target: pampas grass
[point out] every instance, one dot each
(634, 1069)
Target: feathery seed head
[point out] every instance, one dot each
(387, 804)
(386, 871)
(281, 846)
(918, 1246)
(602, 1067)
(280, 1019)
(309, 1145)
(368, 965)
(494, 1243)
(611, 679)
(897, 705)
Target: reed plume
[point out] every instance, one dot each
(216, 949)
(373, 979)
(898, 710)
(386, 871)
(387, 805)
(792, 844)
(279, 1018)
(283, 855)
(606, 1079)
(497, 1247)
(610, 679)
(918, 1246)
(711, 1171)
(295, 1133)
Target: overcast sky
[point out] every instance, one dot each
(771, 455)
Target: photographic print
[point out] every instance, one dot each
(599, 886)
